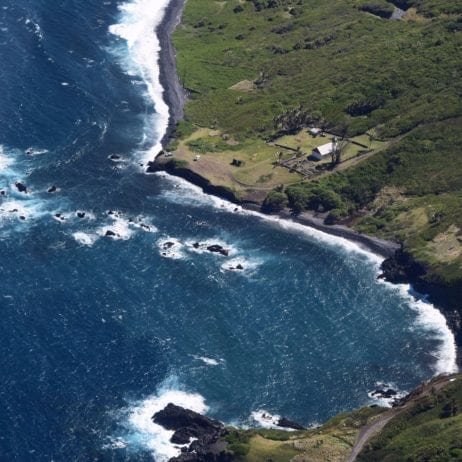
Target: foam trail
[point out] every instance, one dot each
(432, 320)
(143, 433)
(195, 195)
(138, 22)
(428, 316)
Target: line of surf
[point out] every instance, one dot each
(140, 57)
(428, 317)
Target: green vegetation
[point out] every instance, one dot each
(425, 427)
(341, 64)
(431, 430)
(260, 72)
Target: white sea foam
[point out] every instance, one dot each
(120, 227)
(201, 246)
(432, 321)
(6, 161)
(85, 238)
(428, 316)
(383, 401)
(209, 361)
(143, 433)
(171, 247)
(265, 419)
(241, 265)
(138, 22)
(191, 194)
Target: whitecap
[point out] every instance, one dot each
(265, 419)
(142, 434)
(433, 322)
(85, 238)
(428, 316)
(241, 265)
(209, 361)
(170, 247)
(118, 229)
(201, 246)
(383, 401)
(137, 27)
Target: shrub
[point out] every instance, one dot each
(274, 202)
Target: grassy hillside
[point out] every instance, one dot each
(425, 427)
(260, 72)
(340, 63)
(430, 430)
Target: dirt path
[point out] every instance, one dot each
(372, 429)
(369, 431)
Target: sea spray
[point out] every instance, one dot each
(137, 26)
(428, 316)
(141, 433)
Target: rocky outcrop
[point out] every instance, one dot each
(208, 443)
(215, 248)
(402, 268)
(286, 423)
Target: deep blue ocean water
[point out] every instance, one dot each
(98, 332)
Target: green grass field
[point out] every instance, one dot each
(262, 71)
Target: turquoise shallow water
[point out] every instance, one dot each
(97, 332)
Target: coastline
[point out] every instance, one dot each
(174, 93)
(394, 271)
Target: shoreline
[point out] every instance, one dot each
(174, 93)
(175, 97)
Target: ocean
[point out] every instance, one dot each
(111, 304)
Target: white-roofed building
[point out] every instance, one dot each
(322, 151)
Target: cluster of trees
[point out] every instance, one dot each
(293, 120)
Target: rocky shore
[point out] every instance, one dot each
(398, 266)
(174, 93)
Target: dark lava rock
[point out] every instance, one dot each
(168, 245)
(401, 268)
(110, 233)
(239, 267)
(114, 157)
(81, 214)
(286, 423)
(52, 189)
(22, 217)
(21, 187)
(145, 226)
(2, 193)
(196, 245)
(384, 393)
(208, 445)
(175, 417)
(218, 249)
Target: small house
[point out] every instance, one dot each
(314, 131)
(321, 152)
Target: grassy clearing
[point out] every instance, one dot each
(252, 180)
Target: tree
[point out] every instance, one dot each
(339, 147)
